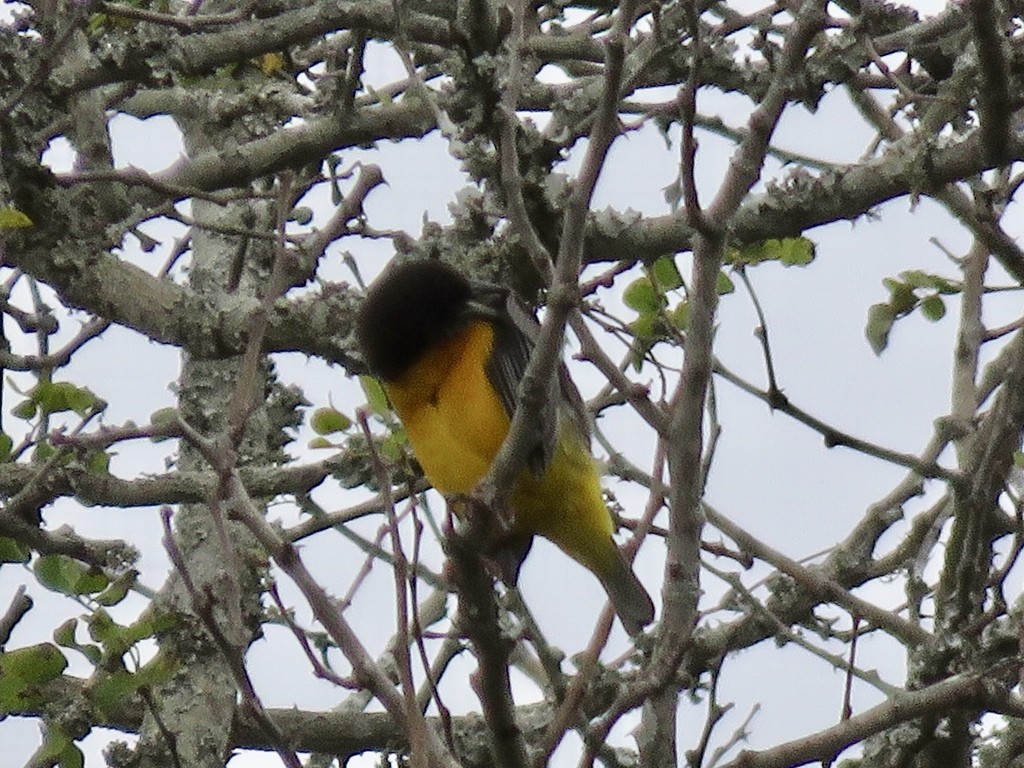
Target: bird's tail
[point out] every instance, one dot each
(628, 596)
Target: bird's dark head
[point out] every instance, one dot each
(410, 308)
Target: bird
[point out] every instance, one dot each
(450, 353)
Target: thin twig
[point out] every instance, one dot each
(20, 605)
(417, 725)
(687, 99)
(319, 669)
(834, 437)
(819, 584)
(829, 742)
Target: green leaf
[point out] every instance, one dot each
(302, 215)
(58, 748)
(42, 451)
(6, 446)
(880, 320)
(902, 298)
(920, 279)
(796, 251)
(666, 274)
(150, 624)
(109, 692)
(640, 351)
(163, 417)
(789, 251)
(392, 447)
(916, 278)
(25, 410)
(680, 315)
(320, 443)
(97, 22)
(23, 670)
(98, 463)
(92, 652)
(102, 627)
(34, 664)
(52, 574)
(376, 397)
(118, 589)
(159, 669)
(61, 396)
(944, 286)
(64, 635)
(71, 757)
(724, 284)
(329, 421)
(647, 327)
(642, 297)
(60, 573)
(115, 638)
(933, 307)
(12, 551)
(270, 63)
(12, 218)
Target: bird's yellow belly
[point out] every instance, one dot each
(565, 505)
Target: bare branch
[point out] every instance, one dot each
(827, 744)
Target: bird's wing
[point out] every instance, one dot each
(515, 338)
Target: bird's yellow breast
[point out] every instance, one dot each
(456, 424)
(454, 418)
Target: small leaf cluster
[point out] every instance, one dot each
(328, 421)
(787, 251)
(25, 672)
(659, 319)
(356, 464)
(49, 397)
(913, 290)
(44, 400)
